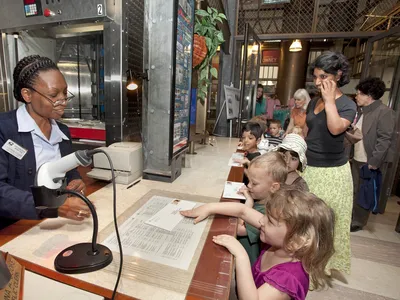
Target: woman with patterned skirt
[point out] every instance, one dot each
(328, 173)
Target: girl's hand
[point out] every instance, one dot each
(328, 91)
(243, 190)
(199, 213)
(230, 243)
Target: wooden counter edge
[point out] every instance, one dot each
(235, 174)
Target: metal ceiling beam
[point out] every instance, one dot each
(393, 12)
(309, 36)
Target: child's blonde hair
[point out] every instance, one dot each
(310, 225)
(297, 130)
(274, 164)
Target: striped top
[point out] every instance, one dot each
(273, 140)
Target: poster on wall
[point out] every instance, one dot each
(232, 96)
(183, 74)
(270, 57)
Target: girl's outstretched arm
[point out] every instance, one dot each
(246, 287)
(249, 215)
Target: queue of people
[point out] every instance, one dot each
(308, 167)
(302, 191)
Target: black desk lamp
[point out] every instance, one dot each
(49, 192)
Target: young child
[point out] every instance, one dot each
(298, 130)
(294, 148)
(251, 136)
(266, 174)
(275, 136)
(262, 146)
(298, 244)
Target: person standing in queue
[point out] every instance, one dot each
(261, 102)
(377, 147)
(298, 112)
(40, 86)
(328, 173)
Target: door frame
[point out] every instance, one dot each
(248, 31)
(394, 94)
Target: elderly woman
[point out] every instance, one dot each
(328, 172)
(42, 90)
(298, 113)
(377, 123)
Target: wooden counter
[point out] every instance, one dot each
(211, 279)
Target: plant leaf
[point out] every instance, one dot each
(220, 37)
(202, 13)
(204, 74)
(214, 72)
(201, 96)
(197, 28)
(209, 10)
(209, 43)
(222, 16)
(218, 19)
(204, 88)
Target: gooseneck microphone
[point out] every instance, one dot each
(50, 191)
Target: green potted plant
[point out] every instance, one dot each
(206, 35)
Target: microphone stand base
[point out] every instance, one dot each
(80, 258)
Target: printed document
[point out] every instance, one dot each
(231, 190)
(235, 156)
(172, 248)
(168, 217)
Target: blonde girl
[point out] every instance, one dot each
(297, 230)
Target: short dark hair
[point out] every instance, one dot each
(254, 128)
(27, 70)
(277, 122)
(331, 63)
(293, 154)
(372, 86)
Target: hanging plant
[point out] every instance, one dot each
(206, 30)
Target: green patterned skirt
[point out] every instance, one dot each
(334, 185)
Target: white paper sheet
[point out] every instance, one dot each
(231, 190)
(172, 248)
(232, 162)
(169, 216)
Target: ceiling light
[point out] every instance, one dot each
(295, 46)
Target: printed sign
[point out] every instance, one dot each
(99, 9)
(270, 57)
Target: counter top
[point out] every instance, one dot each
(204, 175)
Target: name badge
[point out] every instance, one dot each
(14, 149)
